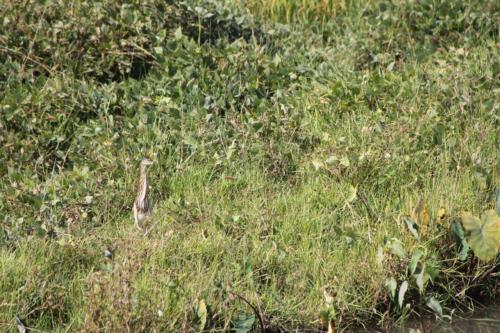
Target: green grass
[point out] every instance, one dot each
(287, 157)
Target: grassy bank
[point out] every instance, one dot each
(309, 163)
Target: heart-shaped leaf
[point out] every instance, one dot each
(435, 306)
(402, 291)
(351, 194)
(483, 234)
(420, 279)
(243, 323)
(415, 258)
(458, 235)
(413, 227)
(432, 268)
(178, 33)
(391, 286)
(429, 271)
(397, 248)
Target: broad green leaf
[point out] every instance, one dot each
(428, 272)
(421, 278)
(331, 159)
(397, 248)
(351, 194)
(391, 286)
(483, 234)
(107, 267)
(344, 161)
(178, 33)
(413, 227)
(172, 284)
(277, 60)
(412, 266)
(432, 268)
(317, 164)
(158, 49)
(435, 306)
(402, 291)
(458, 235)
(243, 323)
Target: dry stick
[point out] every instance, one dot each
(7, 50)
(255, 310)
(485, 274)
(149, 230)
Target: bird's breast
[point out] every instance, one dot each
(140, 216)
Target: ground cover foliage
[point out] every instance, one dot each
(316, 167)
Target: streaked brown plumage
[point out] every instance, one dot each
(141, 205)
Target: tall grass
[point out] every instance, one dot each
(301, 175)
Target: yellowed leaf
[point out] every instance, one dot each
(441, 213)
(483, 234)
(421, 216)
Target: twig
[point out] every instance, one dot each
(485, 274)
(7, 50)
(149, 230)
(143, 50)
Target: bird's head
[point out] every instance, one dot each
(146, 162)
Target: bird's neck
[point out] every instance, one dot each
(143, 186)
(143, 175)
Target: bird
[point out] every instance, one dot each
(141, 207)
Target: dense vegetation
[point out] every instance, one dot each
(313, 162)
